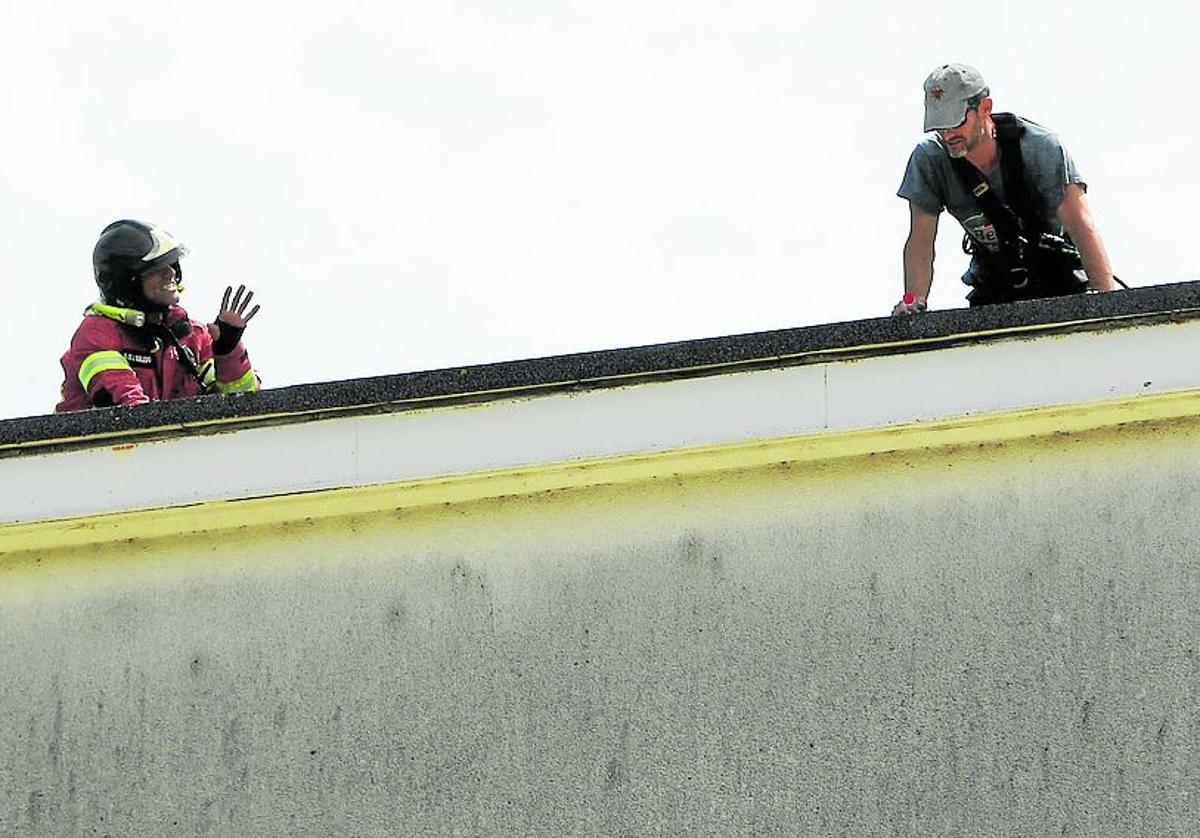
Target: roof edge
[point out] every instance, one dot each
(604, 368)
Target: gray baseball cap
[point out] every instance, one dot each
(947, 91)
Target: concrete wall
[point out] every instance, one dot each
(991, 639)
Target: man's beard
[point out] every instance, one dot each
(969, 143)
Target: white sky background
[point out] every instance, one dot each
(411, 185)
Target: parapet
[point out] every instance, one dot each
(829, 390)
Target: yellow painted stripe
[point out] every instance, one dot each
(740, 456)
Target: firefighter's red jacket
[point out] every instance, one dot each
(115, 359)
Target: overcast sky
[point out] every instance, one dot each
(411, 185)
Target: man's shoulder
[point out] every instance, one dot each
(926, 176)
(98, 328)
(1045, 155)
(929, 149)
(928, 157)
(1036, 134)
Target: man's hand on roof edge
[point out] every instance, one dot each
(909, 304)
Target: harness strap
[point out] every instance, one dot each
(1011, 229)
(185, 355)
(1009, 131)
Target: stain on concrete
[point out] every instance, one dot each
(614, 774)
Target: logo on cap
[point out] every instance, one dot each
(936, 93)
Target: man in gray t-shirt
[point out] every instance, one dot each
(958, 108)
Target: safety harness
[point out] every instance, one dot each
(1029, 253)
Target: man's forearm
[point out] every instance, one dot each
(918, 270)
(1076, 219)
(1095, 260)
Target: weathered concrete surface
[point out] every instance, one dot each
(996, 641)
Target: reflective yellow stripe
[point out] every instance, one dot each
(99, 362)
(207, 374)
(248, 383)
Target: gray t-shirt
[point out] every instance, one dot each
(931, 184)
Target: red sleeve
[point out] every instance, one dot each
(99, 334)
(233, 366)
(123, 386)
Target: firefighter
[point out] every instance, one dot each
(136, 344)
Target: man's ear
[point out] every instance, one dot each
(985, 106)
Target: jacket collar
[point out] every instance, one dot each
(128, 316)
(132, 316)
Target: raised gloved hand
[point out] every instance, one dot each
(231, 320)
